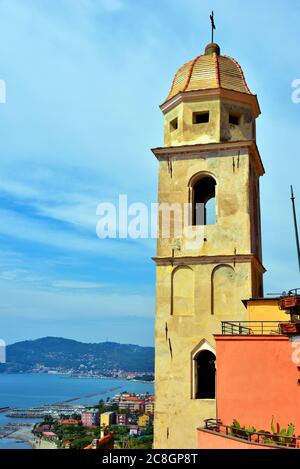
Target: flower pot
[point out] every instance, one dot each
(289, 302)
(290, 327)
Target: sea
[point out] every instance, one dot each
(29, 390)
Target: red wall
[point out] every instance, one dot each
(257, 378)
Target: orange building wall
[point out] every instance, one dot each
(256, 379)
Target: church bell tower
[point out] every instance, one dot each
(211, 164)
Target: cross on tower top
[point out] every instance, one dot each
(213, 25)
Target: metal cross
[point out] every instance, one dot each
(213, 26)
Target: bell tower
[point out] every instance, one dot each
(209, 163)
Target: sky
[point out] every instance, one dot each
(84, 79)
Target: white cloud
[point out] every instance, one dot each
(81, 213)
(18, 189)
(77, 285)
(33, 230)
(27, 229)
(8, 275)
(22, 301)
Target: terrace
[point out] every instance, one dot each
(260, 328)
(217, 435)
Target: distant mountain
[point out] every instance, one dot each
(65, 354)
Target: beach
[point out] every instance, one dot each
(25, 435)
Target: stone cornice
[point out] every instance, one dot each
(203, 149)
(191, 96)
(223, 259)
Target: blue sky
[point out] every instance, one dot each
(84, 80)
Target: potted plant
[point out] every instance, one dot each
(289, 327)
(238, 431)
(283, 436)
(277, 436)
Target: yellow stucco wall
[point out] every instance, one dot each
(177, 413)
(232, 230)
(265, 310)
(218, 127)
(106, 419)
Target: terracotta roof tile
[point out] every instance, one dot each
(209, 71)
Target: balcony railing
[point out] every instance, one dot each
(251, 328)
(261, 438)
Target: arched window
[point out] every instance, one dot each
(205, 385)
(203, 199)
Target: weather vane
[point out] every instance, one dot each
(213, 26)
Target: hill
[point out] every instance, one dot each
(65, 354)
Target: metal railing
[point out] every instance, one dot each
(261, 438)
(295, 291)
(251, 327)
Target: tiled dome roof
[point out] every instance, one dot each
(209, 71)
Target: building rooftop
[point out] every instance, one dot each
(208, 71)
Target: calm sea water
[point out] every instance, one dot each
(28, 390)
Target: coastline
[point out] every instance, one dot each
(25, 435)
(71, 376)
(32, 390)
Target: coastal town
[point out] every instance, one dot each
(126, 420)
(84, 372)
